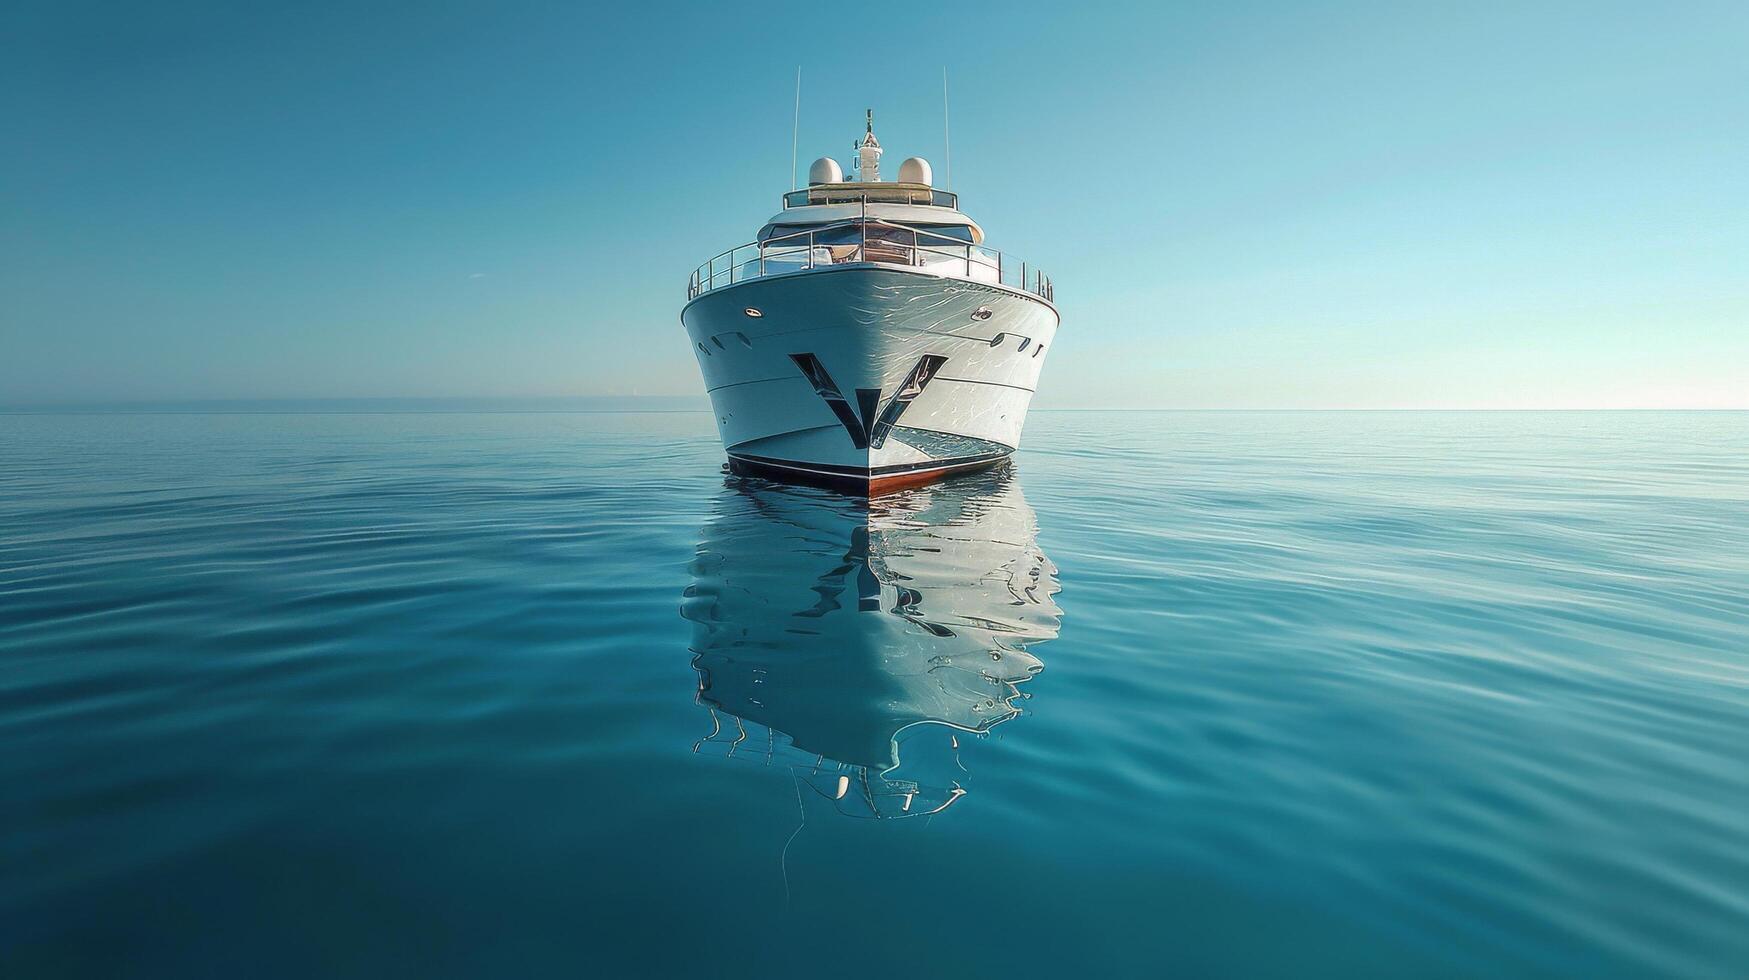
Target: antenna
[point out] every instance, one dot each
(795, 132)
(946, 139)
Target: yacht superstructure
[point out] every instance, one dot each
(868, 338)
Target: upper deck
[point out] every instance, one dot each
(872, 241)
(905, 222)
(882, 192)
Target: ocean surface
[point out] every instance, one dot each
(1251, 694)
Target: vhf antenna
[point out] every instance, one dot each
(946, 139)
(795, 132)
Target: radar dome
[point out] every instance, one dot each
(915, 171)
(825, 171)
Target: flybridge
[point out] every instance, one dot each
(881, 193)
(869, 240)
(870, 224)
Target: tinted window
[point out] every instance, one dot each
(960, 233)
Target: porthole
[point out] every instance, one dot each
(1024, 342)
(718, 340)
(1040, 349)
(753, 312)
(983, 313)
(702, 349)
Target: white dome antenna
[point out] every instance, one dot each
(915, 171)
(825, 171)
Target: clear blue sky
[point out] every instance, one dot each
(1243, 205)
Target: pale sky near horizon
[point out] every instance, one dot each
(1293, 205)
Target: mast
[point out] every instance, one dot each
(868, 153)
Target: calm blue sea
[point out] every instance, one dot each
(1359, 694)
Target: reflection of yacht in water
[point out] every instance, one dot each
(855, 641)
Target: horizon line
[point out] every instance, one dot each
(335, 406)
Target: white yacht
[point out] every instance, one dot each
(868, 338)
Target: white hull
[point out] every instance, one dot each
(869, 375)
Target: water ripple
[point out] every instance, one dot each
(1240, 693)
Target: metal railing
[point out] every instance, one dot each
(868, 240)
(876, 194)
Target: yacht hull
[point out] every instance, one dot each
(868, 378)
